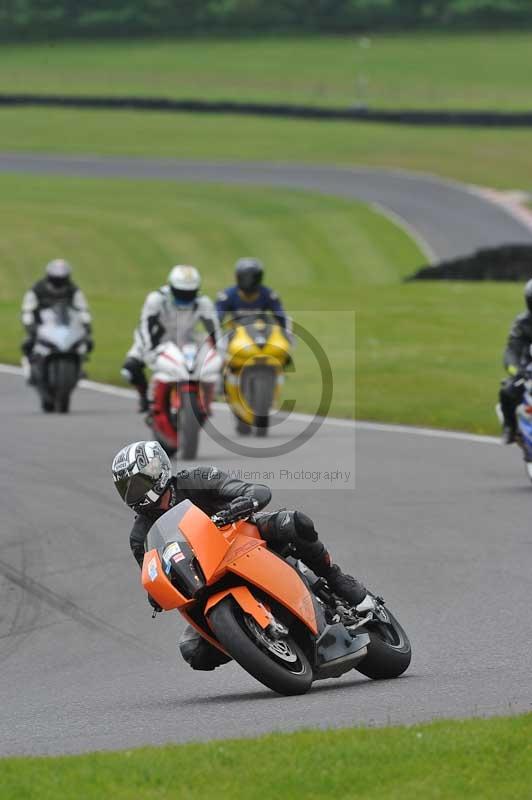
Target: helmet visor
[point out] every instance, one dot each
(184, 297)
(58, 283)
(248, 280)
(133, 488)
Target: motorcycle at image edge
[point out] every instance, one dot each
(523, 415)
(181, 380)
(277, 620)
(257, 354)
(56, 360)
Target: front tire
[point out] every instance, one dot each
(190, 424)
(288, 673)
(389, 651)
(62, 378)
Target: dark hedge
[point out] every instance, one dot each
(505, 263)
(34, 19)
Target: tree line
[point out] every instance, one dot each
(20, 19)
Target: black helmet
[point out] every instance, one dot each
(248, 274)
(141, 473)
(528, 294)
(58, 273)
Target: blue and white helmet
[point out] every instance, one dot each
(141, 474)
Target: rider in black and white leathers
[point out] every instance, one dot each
(169, 314)
(55, 288)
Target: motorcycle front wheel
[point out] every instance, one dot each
(63, 375)
(190, 425)
(280, 664)
(389, 651)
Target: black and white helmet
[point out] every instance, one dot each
(58, 273)
(141, 473)
(248, 274)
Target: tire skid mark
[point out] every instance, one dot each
(69, 608)
(21, 620)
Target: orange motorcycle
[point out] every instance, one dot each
(269, 613)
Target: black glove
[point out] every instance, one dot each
(241, 506)
(154, 604)
(90, 344)
(27, 346)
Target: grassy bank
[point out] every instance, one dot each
(421, 355)
(474, 759)
(498, 158)
(424, 70)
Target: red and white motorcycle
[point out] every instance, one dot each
(181, 391)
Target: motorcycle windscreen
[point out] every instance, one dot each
(167, 528)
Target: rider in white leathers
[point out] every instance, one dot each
(170, 314)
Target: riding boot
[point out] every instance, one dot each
(144, 403)
(339, 582)
(208, 391)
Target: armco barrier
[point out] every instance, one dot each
(500, 119)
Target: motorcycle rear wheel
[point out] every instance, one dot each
(389, 651)
(288, 673)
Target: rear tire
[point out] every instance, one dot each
(190, 425)
(389, 651)
(287, 678)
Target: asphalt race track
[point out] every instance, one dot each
(448, 218)
(438, 525)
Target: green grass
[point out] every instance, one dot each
(123, 237)
(423, 70)
(422, 355)
(473, 759)
(499, 158)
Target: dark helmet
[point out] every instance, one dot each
(248, 274)
(141, 473)
(58, 273)
(528, 294)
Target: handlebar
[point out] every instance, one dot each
(228, 515)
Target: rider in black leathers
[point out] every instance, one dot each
(55, 287)
(212, 490)
(516, 357)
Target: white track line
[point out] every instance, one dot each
(434, 433)
(408, 228)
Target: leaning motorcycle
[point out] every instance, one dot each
(57, 356)
(257, 354)
(181, 388)
(284, 628)
(524, 421)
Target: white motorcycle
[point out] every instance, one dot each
(181, 391)
(59, 350)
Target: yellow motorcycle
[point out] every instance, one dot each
(257, 354)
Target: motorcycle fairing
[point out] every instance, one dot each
(240, 550)
(156, 583)
(279, 580)
(525, 428)
(336, 651)
(246, 601)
